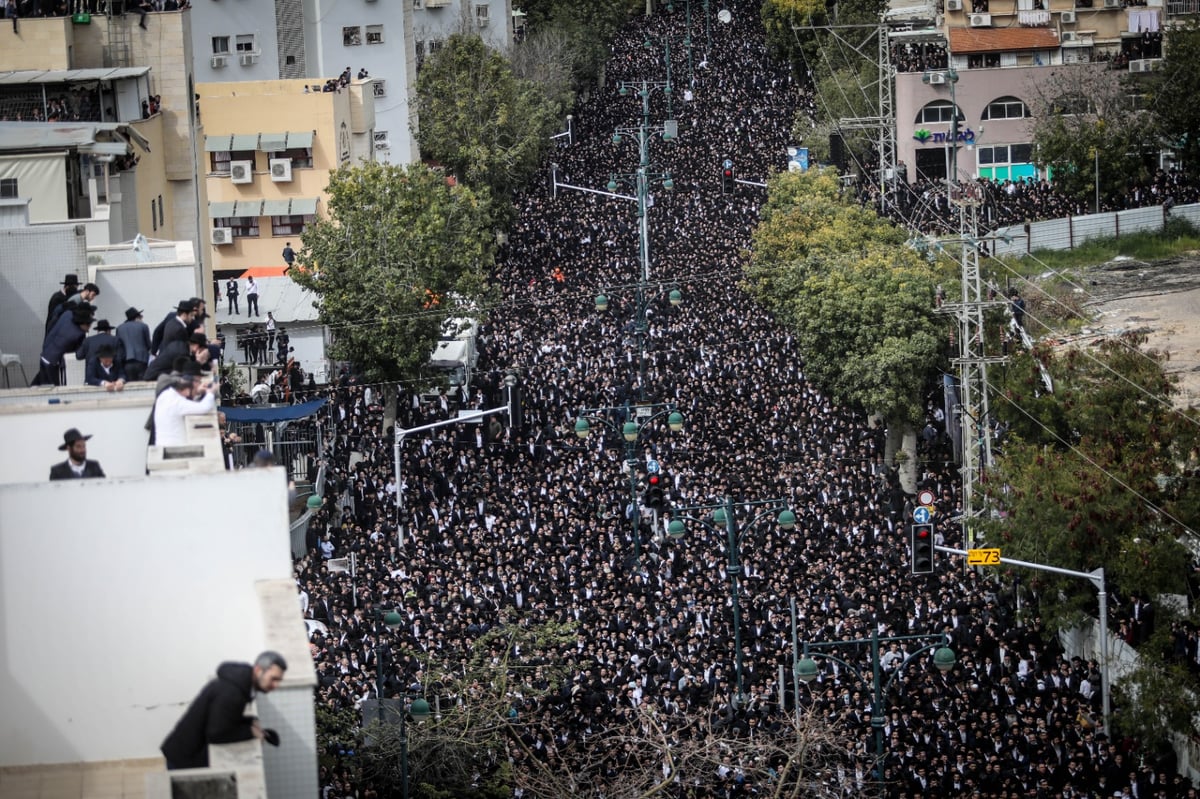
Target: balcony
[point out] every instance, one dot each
(1177, 8)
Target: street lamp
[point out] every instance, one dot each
(637, 418)
(723, 515)
(418, 708)
(645, 295)
(944, 659)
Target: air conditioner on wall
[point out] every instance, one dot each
(937, 78)
(281, 170)
(1112, 3)
(954, 5)
(981, 20)
(222, 235)
(1069, 36)
(241, 171)
(1067, 17)
(219, 61)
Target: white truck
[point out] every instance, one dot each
(456, 354)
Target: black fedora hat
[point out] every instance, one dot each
(71, 436)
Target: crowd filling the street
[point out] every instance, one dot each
(516, 519)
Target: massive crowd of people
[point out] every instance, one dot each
(529, 523)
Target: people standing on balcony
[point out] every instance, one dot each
(251, 296)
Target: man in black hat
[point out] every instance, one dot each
(102, 338)
(175, 325)
(85, 296)
(105, 370)
(77, 464)
(70, 286)
(66, 336)
(189, 348)
(135, 338)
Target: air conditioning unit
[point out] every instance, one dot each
(1067, 17)
(281, 170)
(222, 235)
(954, 5)
(1112, 3)
(219, 61)
(382, 144)
(984, 20)
(241, 171)
(937, 78)
(1069, 36)
(248, 59)
(1143, 65)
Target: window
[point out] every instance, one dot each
(245, 43)
(419, 48)
(220, 44)
(351, 37)
(416, 4)
(243, 227)
(1006, 161)
(160, 210)
(937, 111)
(8, 188)
(301, 156)
(1071, 104)
(220, 160)
(290, 60)
(435, 46)
(154, 213)
(380, 88)
(374, 34)
(481, 16)
(289, 225)
(381, 140)
(1006, 108)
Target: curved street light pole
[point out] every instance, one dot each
(943, 659)
(723, 514)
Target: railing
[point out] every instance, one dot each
(1179, 7)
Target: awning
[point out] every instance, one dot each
(281, 413)
(270, 142)
(1001, 40)
(248, 208)
(217, 144)
(71, 75)
(304, 206)
(220, 210)
(264, 271)
(244, 141)
(299, 139)
(276, 207)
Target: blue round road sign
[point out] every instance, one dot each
(921, 515)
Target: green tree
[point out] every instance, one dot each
(1095, 474)
(478, 119)
(1170, 92)
(1087, 121)
(860, 301)
(401, 250)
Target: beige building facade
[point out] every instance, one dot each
(269, 147)
(101, 69)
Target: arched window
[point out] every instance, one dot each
(1006, 108)
(938, 111)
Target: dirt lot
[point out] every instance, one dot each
(1163, 300)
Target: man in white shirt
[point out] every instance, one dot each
(185, 397)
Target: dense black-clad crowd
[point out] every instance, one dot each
(529, 523)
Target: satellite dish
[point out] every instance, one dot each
(724, 16)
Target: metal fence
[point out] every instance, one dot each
(295, 445)
(1074, 231)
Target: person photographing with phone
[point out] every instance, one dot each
(190, 392)
(218, 713)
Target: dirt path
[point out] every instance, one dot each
(1163, 300)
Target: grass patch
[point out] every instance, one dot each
(1177, 237)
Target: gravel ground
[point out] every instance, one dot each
(1163, 300)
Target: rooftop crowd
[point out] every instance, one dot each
(529, 523)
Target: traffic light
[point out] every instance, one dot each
(921, 549)
(654, 498)
(726, 176)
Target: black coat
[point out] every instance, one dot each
(62, 471)
(216, 716)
